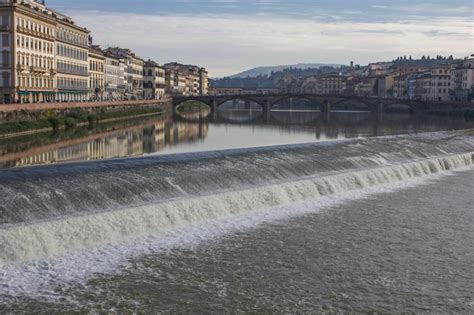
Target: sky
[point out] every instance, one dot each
(229, 36)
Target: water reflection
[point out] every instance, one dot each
(234, 127)
(104, 142)
(239, 105)
(351, 117)
(241, 116)
(296, 104)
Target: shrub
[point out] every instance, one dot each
(70, 122)
(78, 115)
(92, 118)
(54, 122)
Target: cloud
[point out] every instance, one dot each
(227, 44)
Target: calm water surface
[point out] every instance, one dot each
(169, 134)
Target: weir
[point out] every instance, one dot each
(22, 243)
(51, 210)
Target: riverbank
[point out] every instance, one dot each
(192, 107)
(33, 118)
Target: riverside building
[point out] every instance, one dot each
(154, 80)
(187, 80)
(113, 78)
(462, 80)
(133, 71)
(96, 73)
(72, 58)
(175, 82)
(27, 45)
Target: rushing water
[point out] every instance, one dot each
(261, 215)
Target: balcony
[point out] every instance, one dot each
(24, 30)
(21, 68)
(64, 70)
(72, 88)
(27, 31)
(70, 41)
(39, 69)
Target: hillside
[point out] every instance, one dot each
(266, 71)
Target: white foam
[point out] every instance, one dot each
(71, 250)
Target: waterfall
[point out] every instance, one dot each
(28, 237)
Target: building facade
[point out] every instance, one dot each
(114, 85)
(154, 81)
(96, 74)
(133, 68)
(175, 82)
(204, 84)
(186, 80)
(366, 86)
(462, 81)
(28, 70)
(72, 59)
(440, 83)
(324, 85)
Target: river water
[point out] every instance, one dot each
(240, 213)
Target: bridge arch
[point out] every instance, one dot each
(192, 110)
(181, 101)
(221, 101)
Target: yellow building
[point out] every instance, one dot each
(27, 34)
(328, 84)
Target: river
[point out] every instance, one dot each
(241, 213)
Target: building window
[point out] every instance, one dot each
(5, 20)
(5, 40)
(6, 79)
(5, 58)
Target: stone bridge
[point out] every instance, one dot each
(328, 103)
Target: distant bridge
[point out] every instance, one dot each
(328, 103)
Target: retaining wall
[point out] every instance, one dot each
(35, 111)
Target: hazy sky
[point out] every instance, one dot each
(228, 36)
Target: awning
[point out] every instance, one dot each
(34, 92)
(72, 92)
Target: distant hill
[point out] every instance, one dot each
(266, 71)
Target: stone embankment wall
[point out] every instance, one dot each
(37, 111)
